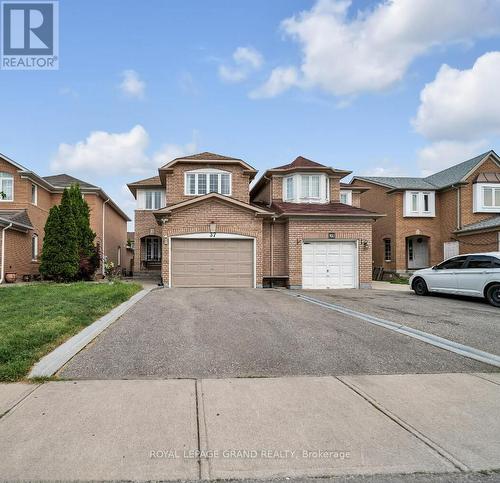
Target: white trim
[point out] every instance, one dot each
(36, 194)
(478, 198)
(208, 172)
(337, 240)
(141, 198)
(419, 213)
(218, 236)
(33, 238)
(13, 188)
(349, 196)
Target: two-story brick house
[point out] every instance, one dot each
(199, 224)
(24, 207)
(454, 211)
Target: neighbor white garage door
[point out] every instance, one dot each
(331, 264)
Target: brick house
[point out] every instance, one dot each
(198, 223)
(451, 212)
(24, 210)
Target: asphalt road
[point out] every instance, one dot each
(206, 333)
(468, 321)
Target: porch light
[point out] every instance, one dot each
(212, 228)
(363, 243)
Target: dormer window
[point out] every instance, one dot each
(305, 188)
(203, 181)
(6, 187)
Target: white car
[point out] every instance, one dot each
(475, 275)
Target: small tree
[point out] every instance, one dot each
(60, 260)
(89, 257)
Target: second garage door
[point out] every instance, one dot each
(212, 263)
(329, 264)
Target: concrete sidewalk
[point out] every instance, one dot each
(250, 428)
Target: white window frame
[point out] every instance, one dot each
(8, 177)
(119, 257)
(34, 248)
(298, 180)
(35, 193)
(141, 199)
(409, 208)
(478, 194)
(208, 172)
(348, 194)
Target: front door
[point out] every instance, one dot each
(417, 248)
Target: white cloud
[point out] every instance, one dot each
(443, 154)
(280, 80)
(246, 60)
(172, 151)
(385, 168)
(132, 85)
(370, 51)
(462, 104)
(103, 153)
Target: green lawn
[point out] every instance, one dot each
(34, 319)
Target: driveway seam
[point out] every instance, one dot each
(201, 434)
(431, 339)
(479, 376)
(12, 408)
(441, 452)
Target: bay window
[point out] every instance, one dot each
(306, 188)
(201, 182)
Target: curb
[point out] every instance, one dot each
(48, 365)
(449, 345)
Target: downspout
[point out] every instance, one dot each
(103, 235)
(2, 268)
(272, 246)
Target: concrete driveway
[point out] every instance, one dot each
(203, 333)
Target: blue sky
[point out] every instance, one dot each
(339, 82)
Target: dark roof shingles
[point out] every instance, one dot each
(301, 162)
(65, 181)
(17, 216)
(319, 208)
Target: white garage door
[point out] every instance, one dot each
(331, 264)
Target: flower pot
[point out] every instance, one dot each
(10, 277)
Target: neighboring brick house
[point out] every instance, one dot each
(24, 210)
(198, 224)
(454, 211)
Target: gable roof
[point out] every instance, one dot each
(301, 162)
(152, 182)
(65, 181)
(253, 207)
(442, 179)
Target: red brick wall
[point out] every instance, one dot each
(479, 242)
(299, 230)
(228, 218)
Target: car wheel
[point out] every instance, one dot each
(493, 295)
(420, 287)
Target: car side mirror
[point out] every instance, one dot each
(435, 267)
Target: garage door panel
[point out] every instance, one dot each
(212, 263)
(329, 265)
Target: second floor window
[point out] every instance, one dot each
(346, 197)
(310, 187)
(6, 187)
(153, 200)
(34, 194)
(487, 197)
(203, 182)
(419, 203)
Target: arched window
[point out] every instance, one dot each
(6, 187)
